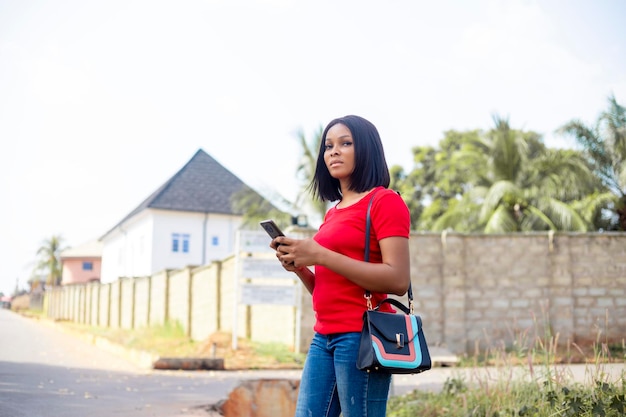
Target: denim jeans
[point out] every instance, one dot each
(332, 385)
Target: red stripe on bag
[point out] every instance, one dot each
(398, 356)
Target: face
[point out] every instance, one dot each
(339, 152)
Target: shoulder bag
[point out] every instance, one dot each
(391, 342)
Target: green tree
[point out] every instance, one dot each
(502, 180)
(605, 147)
(255, 208)
(49, 260)
(435, 181)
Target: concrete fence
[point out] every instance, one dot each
(470, 290)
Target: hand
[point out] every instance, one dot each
(296, 253)
(289, 266)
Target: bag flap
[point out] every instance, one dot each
(388, 325)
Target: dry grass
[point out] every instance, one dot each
(170, 341)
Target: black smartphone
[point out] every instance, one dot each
(271, 228)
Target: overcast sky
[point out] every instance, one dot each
(103, 101)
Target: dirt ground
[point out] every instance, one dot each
(219, 345)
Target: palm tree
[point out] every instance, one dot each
(605, 147)
(514, 183)
(436, 181)
(256, 207)
(306, 170)
(49, 259)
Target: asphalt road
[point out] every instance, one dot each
(45, 372)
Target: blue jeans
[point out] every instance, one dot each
(332, 385)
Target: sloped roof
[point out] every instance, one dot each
(91, 249)
(202, 185)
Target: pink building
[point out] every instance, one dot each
(81, 264)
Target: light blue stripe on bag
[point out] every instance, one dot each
(399, 363)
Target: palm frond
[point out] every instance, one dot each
(621, 175)
(461, 216)
(598, 210)
(614, 120)
(495, 196)
(501, 221)
(563, 216)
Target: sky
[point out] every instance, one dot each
(102, 101)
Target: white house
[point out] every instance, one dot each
(188, 221)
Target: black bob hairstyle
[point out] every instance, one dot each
(370, 166)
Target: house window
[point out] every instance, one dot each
(87, 266)
(180, 242)
(185, 243)
(215, 241)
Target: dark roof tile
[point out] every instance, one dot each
(202, 185)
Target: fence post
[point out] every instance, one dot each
(189, 300)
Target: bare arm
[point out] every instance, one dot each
(391, 276)
(307, 277)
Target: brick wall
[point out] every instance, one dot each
(490, 289)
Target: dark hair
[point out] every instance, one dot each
(370, 166)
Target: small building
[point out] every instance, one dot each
(81, 264)
(189, 221)
(5, 302)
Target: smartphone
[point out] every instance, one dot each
(271, 228)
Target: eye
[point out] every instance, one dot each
(347, 143)
(328, 146)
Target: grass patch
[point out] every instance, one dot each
(281, 353)
(531, 399)
(164, 340)
(170, 340)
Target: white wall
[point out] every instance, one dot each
(126, 250)
(225, 229)
(211, 232)
(113, 244)
(143, 244)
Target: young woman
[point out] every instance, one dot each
(351, 169)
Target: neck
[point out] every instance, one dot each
(350, 197)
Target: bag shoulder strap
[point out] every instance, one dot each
(368, 225)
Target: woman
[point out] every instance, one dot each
(351, 168)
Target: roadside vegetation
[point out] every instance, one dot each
(170, 341)
(547, 398)
(526, 378)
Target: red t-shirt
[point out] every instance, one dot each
(338, 303)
